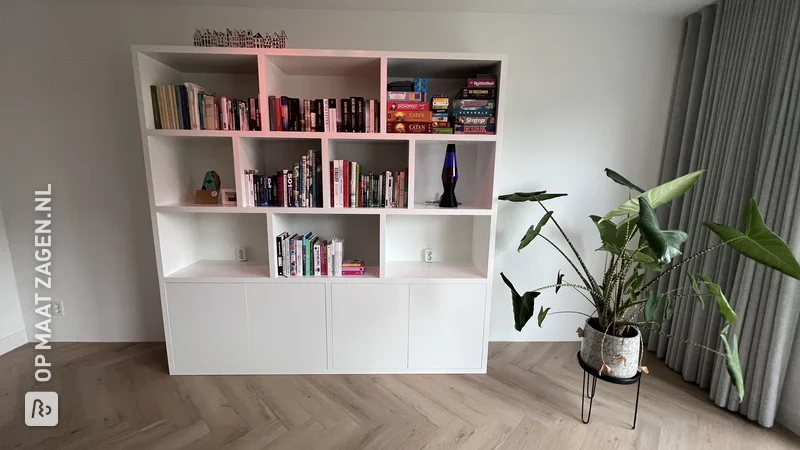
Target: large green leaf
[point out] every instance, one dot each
(665, 244)
(534, 231)
(696, 290)
(646, 259)
(733, 365)
(538, 196)
(542, 314)
(657, 196)
(523, 304)
(758, 242)
(722, 302)
(622, 180)
(651, 304)
(614, 238)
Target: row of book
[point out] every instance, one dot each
(300, 186)
(306, 255)
(470, 112)
(189, 107)
(347, 115)
(350, 188)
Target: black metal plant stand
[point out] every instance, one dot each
(587, 391)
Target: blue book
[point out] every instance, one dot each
(304, 257)
(179, 106)
(200, 109)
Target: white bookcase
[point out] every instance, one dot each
(404, 315)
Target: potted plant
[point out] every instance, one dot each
(638, 254)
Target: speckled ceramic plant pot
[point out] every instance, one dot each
(621, 354)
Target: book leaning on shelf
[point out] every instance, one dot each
(190, 107)
(298, 187)
(329, 115)
(309, 256)
(351, 188)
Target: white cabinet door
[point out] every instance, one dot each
(446, 326)
(370, 326)
(287, 327)
(208, 328)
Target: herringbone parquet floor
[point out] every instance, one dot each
(119, 396)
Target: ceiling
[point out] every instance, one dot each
(654, 7)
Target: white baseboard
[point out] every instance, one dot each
(13, 341)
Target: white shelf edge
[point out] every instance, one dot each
(222, 209)
(329, 136)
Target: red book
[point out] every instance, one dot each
(346, 181)
(279, 181)
(278, 116)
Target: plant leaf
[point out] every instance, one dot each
(523, 304)
(651, 303)
(644, 258)
(538, 196)
(669, 308)
(542, 314)
(559, 278)
(733, 365)
(622, 180)
(758, 242)
(657, 196)
(665, 244)
(534, 231)
(614, 238)
(722, 302)
(696, 290)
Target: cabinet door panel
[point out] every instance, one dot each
(446, 326)
(370, 326)
(208, 328)
(287, 327)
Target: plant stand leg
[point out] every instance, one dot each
(636, 409)
(589, 392)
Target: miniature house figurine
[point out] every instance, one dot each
(258, 41)
(238, 38)
(248, 38)
(198, 40)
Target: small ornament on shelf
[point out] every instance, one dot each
(238, 39)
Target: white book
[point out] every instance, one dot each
(325, 119)
(329, 257)
(389, 190)
(371, 119)
(317, 258)
(332, 119)
(338, 253)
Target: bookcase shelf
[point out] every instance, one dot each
(222, 316)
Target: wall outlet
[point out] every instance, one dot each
(56, 308)
(427, 255)
(241, 254)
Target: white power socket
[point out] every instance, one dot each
(241, 254)
(56, 308)
(427, 255)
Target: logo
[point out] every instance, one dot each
(41, 409)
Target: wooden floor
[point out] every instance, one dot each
(119, 396)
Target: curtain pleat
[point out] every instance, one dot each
(735, 113)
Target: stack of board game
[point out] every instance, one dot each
(188, 106)
(306, 255)
(407, 110)
(300, 186)
(347, 115)
(473, 109)
(351, 188)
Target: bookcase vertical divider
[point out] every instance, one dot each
(382, 246)
(412, 158)
(382, 99)
(326, 176)
(238, 171)
(273, 252)
(262, 92)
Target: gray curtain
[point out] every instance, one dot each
(735, 113)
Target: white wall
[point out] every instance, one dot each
(12, 328)
(586, 92)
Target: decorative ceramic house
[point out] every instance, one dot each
(230, 38)
(248, 38)
(258, 41)
(279, 40)
(198, 38)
